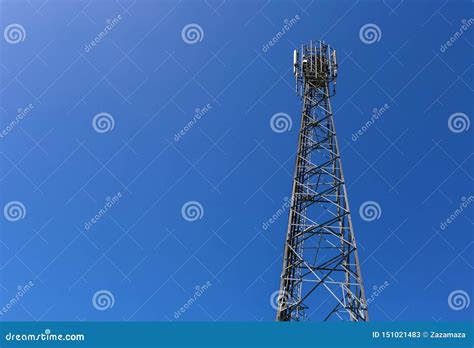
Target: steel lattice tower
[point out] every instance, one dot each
(321, 277)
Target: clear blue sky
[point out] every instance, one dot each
(151, 81)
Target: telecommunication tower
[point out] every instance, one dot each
(321, 278)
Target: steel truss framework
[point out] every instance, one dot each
(321, 277)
